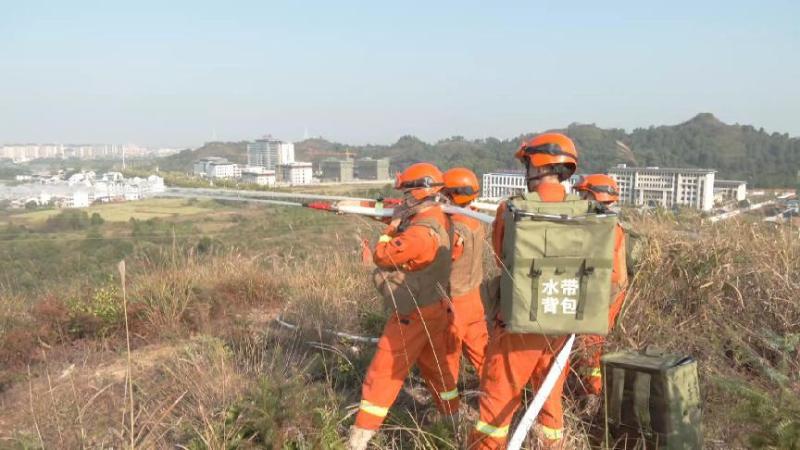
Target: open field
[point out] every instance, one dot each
(120, 212)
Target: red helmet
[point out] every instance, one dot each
(549, 149)
(601, 187)
(422, 180)
(461, 185)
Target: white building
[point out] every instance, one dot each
(729, 191)
(269, 153)
(155, 184)
(216, 167)
(77, 199)
(224, 170)
(295, 173)
(666, 187)
(201, 165)
(501, 185)
(259, 177)
(112, 177)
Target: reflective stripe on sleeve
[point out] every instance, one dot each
(596, 372)
(495, 432)
(384, 238)
(375, 410)
(449, 395)
(553, 434)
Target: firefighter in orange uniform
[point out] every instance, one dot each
(602, 189)
(471, 335)
(513, 360)
(414, 261)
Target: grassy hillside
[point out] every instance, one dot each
(210, 368)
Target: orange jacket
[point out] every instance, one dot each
(412, 249)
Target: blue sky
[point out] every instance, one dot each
(172, 73)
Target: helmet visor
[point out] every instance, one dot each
(424, 182)
(461, 190)
(602, 189)
(548, 149)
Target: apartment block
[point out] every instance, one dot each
(269, 153)
(372, 169)
(337, 169)
(666, 187)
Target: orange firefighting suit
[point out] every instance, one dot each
(417, 331)
(591, 346)
(471, 335)
(512, 360)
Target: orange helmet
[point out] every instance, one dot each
(600, 186)
(548, 149)
(422, 180)
(461, 185)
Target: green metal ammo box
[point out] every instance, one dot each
(652, 398)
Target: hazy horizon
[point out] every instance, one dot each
(175, 75)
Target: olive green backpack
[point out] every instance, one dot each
(652, 398)
(557, 263)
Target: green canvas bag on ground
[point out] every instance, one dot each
(652, 398)
(557, 263)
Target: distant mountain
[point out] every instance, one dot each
(735, 151)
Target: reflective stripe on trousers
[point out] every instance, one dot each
(491, 431)
(371, 408)
(449, 395)
(553, 434)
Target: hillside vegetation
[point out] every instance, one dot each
(210, 368)
(739, 152)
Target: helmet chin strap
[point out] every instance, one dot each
(538, 176)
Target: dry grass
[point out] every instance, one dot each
(210, 369)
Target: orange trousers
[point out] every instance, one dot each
(513, 360)
(421, 338)
(590, 350)
(471, 335)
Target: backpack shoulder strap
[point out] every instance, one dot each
(532, 196)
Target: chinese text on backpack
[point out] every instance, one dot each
(558, 258)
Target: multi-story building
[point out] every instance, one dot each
(224, 170)
(666, 187)
(295, 173)
(216, 167)
(337, 169)
(372, 169)
(201, 165)
(259, 177)
(500, 185)
(269, 153)
(729, 191)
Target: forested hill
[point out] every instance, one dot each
(736, 151)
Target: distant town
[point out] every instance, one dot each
(271, 162)
(78, 190)
(19, 153)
